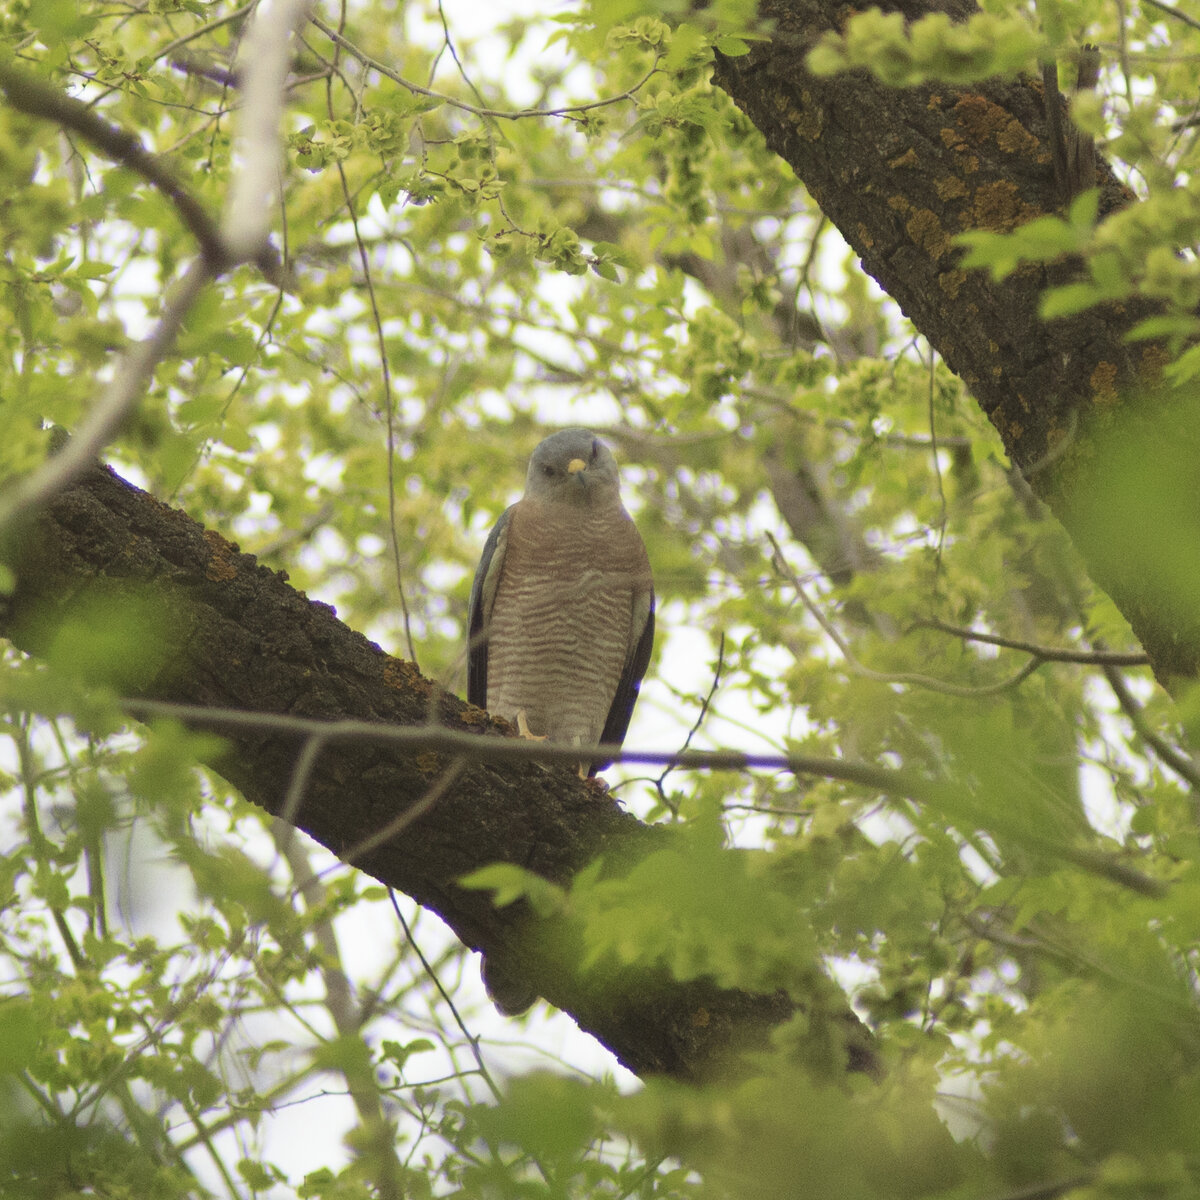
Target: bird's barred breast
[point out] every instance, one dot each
(561, 626)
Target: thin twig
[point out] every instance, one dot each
(1123, 53)
(165, 52)
(704, 706)
(1182, 764)
(500, 114)
(492, 748)
(171, 47)
(414, 813)
(471, 747)
(389, 408)
(933, 456)
(449, 43)
(1174, 12)
(1056, 451)
(347, 1016)
(301, 774)
(389, 402)
(471, 1039)
(1095, 658)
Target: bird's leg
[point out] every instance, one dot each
(584, 768)
(524, 730)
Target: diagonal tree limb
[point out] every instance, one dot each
(262, 66)
(221, 631)
(242, 237)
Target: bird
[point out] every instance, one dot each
(561, 619)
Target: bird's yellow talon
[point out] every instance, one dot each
(524, 730)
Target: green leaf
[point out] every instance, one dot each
(548, 1116)
(510, 883)
(258, 1177)
(20, 1033)
(732, 47)
(399, 1054)
(1072, 298)
(933, 47)
(94, 270)
(1164, 325)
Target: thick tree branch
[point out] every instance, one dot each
(222, 632)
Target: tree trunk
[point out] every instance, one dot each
(901, 172)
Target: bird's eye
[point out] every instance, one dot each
(595, 448)
(548, 470)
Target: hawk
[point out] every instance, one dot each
(562, 607)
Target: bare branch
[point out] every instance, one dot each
(243, 239)
(909, 678)
(483, 748)
(374, 64)
(1095, 658)
(380, 1158)
(1177, 760)
(705, 703)
(262, 68)
(1170, 10)
(203, 31)
(486, 748)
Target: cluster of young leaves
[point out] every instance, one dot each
(645, 267)
(932, 47)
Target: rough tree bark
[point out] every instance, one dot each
(899, 172)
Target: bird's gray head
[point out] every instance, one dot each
(575, 466)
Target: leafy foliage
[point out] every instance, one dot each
(489, 234)
(933, 47)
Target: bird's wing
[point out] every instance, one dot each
(636, 661)
(483, 596)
